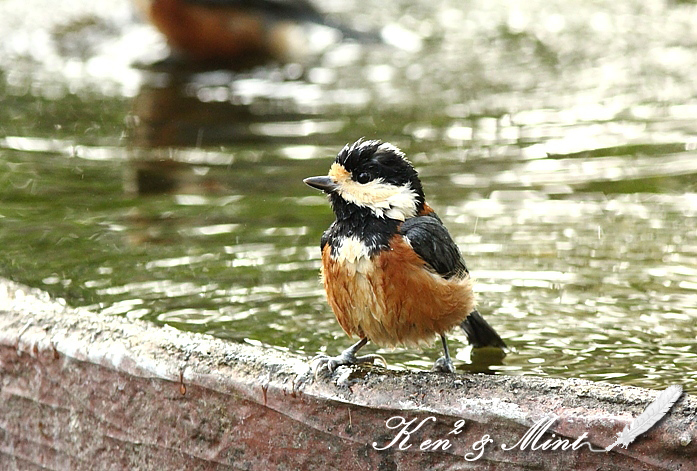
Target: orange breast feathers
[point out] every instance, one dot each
(392, 298)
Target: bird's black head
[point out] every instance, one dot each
(374, 178)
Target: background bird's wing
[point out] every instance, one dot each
(431, 240)
(296, 10)
(299, 10)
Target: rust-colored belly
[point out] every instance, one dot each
(391, 298)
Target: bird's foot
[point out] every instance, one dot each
(443, 365)
(346, 358)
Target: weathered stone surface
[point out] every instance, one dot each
(84, 391)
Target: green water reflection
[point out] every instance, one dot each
(572, 195)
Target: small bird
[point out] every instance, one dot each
(231, 30)
(392, 273)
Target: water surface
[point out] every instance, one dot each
(557, 141)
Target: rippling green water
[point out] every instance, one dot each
(558, 144)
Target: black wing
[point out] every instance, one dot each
(431, 240)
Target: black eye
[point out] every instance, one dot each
(363, 177)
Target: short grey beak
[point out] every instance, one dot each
(324, 183)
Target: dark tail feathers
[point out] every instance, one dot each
(480, 333)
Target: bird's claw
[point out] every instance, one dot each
(443, 365)
(344, 359)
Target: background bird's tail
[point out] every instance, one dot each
(480, 333)
(363, 37)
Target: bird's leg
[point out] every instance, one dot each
(347, 357)
(444, 364)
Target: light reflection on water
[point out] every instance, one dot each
(586, 285)
(575, 207)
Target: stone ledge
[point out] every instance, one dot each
(80, 390)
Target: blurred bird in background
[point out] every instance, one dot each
(230, 31)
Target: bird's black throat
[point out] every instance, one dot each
(359, 222)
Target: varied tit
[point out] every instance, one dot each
(392, 273)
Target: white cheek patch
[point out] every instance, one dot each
(385, 200)
(402, 204)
